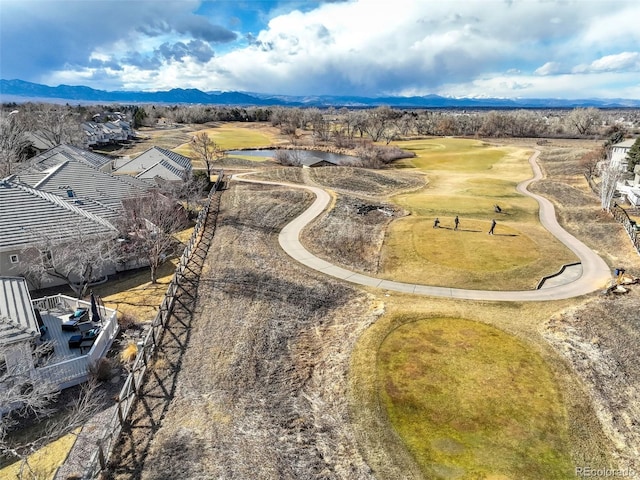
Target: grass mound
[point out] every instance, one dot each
(364, 181)
(470, 401)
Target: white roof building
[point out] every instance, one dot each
(619, 153)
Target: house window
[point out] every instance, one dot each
(14, 258)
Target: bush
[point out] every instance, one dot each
(127, 321)
(129, 354)
(287, 158)
(101, 370)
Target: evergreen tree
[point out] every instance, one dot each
(634, 155)
(138, 117)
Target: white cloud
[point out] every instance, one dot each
(620, 62)
(549, 68)
(360, 47)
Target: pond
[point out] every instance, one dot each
(336, 158)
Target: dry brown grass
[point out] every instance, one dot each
(578, 208)
(129, 353)
(600, 339)
(262, 385)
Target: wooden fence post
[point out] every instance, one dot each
(120, 416)
(101, 459)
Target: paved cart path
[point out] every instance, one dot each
(595, 272)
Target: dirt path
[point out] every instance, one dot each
(595, 272)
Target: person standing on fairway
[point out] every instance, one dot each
(456, 221)
(493, 225)
(436, 223)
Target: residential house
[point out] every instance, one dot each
(619, 152)
(60, 192)
(56, 155)
(156, 162)
(629, 190)
(116, 130)
(27, 215)
(38, 142)
(28, 326)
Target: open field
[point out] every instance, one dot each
(467, 178)
(237, 135)
(262, 383)
(286, 371)
(405, 246)
(516, 343)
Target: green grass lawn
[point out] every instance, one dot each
(231, 136)
(467, 178)
(470, 401)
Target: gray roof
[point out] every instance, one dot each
(85, 181)
(54, 156)
(153, 156)
(38, 142)
(311, 161)
(165, 170)
(28, 214)
(626, 143)
(17, 318)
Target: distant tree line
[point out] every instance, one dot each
(341, 127)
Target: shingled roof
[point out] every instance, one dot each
(27, 214)
(165, 170)
(85, 181)
(17, 318)
(152, 158)
(55, 155)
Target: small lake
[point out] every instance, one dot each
(302, 154)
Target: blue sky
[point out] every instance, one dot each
(491, 48)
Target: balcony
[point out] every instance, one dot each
(66, 366)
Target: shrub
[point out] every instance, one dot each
(127, 321)
(129, 353)
(101, 370)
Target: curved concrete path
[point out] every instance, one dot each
(595, 272)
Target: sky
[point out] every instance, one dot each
(460, 48)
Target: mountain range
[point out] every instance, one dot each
(22, 91)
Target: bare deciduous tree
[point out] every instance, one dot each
(610, 175)
(149, 225)
(22, 398)
(205, 149)
(14, 144)
(589, 161)
(583, 121)
(55, 124)
(190, 190)
(290, 158)
(73, 256)
(378, 122)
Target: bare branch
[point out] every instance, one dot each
(149, 224)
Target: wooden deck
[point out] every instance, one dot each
(70, 366)
(58, 337)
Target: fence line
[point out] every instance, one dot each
(631, 226)
(132, 384)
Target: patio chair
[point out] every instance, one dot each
(86, 338)
(81, 315)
